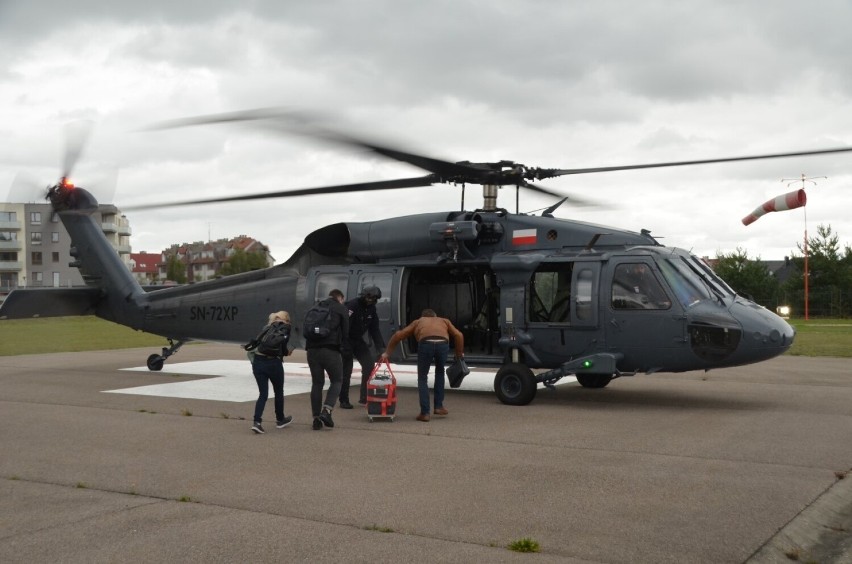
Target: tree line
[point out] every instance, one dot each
(829, 277)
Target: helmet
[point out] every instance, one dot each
(371, 292)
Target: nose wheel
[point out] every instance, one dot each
(155, 361)
(515, 384)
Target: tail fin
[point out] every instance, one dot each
(111, 293)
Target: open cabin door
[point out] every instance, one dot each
(467, 295)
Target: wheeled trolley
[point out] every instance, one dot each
(381, 392)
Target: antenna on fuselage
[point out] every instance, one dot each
(591, 243)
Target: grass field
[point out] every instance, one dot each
(822, 337)
(70, 334)
(816, 337)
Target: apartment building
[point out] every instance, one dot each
(35, 247)
(205, 261)
(146, 267)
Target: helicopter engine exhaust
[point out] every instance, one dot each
(789, 201)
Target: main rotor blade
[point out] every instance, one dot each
(561, 172)
(573, 199)
(76, 135)
(295, 117)
(445, 169)
(302, 123)
(359, 187)
(25, 189)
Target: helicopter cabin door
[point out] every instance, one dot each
(562, 309)
(467, 295)
(644, 323)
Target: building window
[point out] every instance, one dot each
(8, 236)
(8, 257)
(8, 281)
(35, 258)
(8, 216)
(54, 237)
(35, 238)
(35, 218)
(37, 278)
(54, 217)
(54, 256)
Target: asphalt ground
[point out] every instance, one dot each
(733, 465)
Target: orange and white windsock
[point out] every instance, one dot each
(789, 201)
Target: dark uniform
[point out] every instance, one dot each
(324, 357)
(363, 319)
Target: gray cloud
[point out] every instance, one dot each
(541, 82)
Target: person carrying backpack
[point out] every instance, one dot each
(325, 331)
(270, 348)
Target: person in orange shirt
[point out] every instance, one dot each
(433, 345)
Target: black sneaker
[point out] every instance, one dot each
(325, 417)
(317, 424)
(344, 404)
(284, 422)
(257, 428)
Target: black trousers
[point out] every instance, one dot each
(361, 351)
(322, 362)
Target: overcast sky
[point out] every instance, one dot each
(545, 83)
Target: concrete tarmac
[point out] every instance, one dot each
(734, 465)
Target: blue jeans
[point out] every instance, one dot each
(427, 354)
(268, 369)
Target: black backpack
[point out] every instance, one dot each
(273, 339)
(317, 325)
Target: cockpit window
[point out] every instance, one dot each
(549, 296)
(686, 284)
(634, 286)
(712, 277)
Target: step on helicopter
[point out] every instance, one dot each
(538, 296)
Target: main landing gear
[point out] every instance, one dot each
(155, 361)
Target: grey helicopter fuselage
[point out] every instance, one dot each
(528, 292)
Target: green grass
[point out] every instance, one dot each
(822, 337)
(816, 337)
(69, 334)
(525, 544)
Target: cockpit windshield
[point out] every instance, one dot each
(689, 287)
(712, 277)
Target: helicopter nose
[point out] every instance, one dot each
(764, 334)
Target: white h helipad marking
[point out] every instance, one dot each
(234, 382)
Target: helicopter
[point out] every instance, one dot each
(538, 297)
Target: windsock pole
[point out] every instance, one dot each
(806, 264)
(803, 180)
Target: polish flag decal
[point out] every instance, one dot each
(523, 236)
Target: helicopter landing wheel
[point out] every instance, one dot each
(515, 384)
(155, 362)
(594, 380)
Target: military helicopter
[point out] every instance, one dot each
(529, 292)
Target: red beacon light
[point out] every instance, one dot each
(65, 183)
